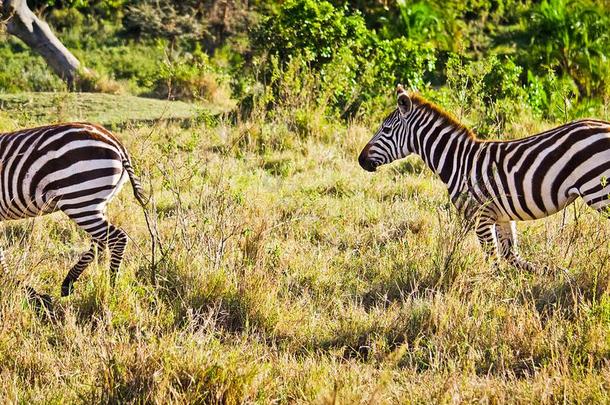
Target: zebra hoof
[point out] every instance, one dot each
(42, 303)
(46, 302)
(67, 288)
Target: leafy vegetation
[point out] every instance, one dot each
(352, 51)
(282, 272)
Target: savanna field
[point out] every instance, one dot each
(272, 268)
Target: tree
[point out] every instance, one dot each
(25, 25)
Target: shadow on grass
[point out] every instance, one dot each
(565, 294)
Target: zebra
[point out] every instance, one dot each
(76, 168)
(498, 182)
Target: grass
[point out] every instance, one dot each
(285, 273)
(106, 109)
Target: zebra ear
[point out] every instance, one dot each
(404, 102)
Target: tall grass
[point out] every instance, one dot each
(284, 273)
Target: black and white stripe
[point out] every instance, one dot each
(502, 182)
(76, 168)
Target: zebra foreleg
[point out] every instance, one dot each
(485, 230)
(507, 245)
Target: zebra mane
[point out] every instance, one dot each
(439, 111)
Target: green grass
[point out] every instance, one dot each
(105, 109)
(287, 274)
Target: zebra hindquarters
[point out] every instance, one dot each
(87, 208)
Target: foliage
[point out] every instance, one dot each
(22, 70)
(190, 76)
(354, 51)
(313, 30)
(101, 5)
(573, 37)
(166, 19)
(488, 89)
(353, 64)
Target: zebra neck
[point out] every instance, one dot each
(447, 149)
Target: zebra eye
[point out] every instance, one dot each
(386, 130)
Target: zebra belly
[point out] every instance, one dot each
(31, 211)
(555, 194)
(19, 204)
(595, 190)
(527, 208)
(87, 196)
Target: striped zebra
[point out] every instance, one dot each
(76, 168)
(499, 181)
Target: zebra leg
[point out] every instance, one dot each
(117, 242)
(103, 234)
(507, 245)
(77, 270)
(486, 234)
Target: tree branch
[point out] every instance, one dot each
(25, 25)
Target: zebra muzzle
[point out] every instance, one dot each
(366, 163)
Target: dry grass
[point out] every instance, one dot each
(287, 274)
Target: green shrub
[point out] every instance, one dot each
(175, 21)
(137, 64)
(573, 39)
(313, 30)
(351, 65)
(101, 5)
(191, 76)
(488, 90)
(22, 70)
(65, 18)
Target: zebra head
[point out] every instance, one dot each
(390, 142)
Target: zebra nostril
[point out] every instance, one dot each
(366, 163)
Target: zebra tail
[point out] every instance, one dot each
(138, 191)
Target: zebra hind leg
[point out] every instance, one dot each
(75, 272)
(507, 245)
(117, 242)
(103, 234)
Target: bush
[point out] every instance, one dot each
(403, 61)
(22, 70)
(138, 64)
(572, 38)
(352, 65)
(488, 90)
(191, 76)
(313, 30)
(174, 21)
(104, 6)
